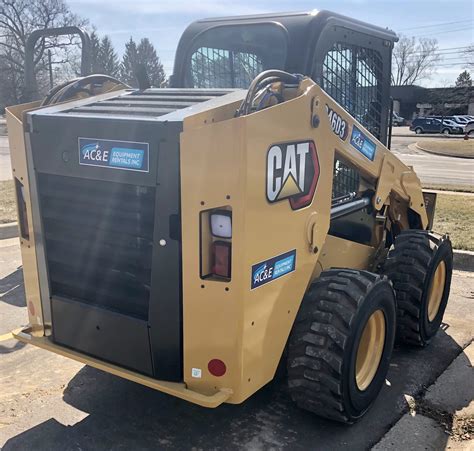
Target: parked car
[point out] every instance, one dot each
(469, 130)
(463, 120)
(460, 120)
(433, 125)
(397, 120)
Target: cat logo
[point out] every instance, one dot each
(292, 173)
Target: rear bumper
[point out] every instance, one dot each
(176, 389)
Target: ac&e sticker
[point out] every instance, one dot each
(362, 143)
(273, 268)
(131, 156)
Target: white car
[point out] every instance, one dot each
(453, 124)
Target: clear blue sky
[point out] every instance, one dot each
(163, 21)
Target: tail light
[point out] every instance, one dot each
(216, 244)
(221, 256)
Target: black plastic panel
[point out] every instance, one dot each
(101, 333)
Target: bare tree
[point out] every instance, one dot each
(413, 60)
(18, 18)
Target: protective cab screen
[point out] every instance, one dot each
(231, 57)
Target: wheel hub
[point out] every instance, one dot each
(435, 293)
(370, 349)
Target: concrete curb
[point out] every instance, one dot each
(462, 260)
(427, 135)
(8, 230)
(442, 154)
(431, 421)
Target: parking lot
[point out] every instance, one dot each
(49, 402)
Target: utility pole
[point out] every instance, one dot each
(50, 65)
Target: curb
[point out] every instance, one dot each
(442, 154)
(427, 135)
(8, 230)
(462, 260)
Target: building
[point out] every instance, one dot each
(412, 101)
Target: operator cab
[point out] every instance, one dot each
(349, 59)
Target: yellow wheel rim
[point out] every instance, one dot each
(435, 293)
(369, 352)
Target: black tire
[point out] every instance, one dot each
(411, 265)
(418, 130)
(323, 344)
(446, 131)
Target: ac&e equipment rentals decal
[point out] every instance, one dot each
(125, 155)
(273, 268)
(292, 173)
(363, 143)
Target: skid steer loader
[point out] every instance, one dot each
(190, 238)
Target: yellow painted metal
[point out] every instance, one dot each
(179, 390)
(340, 253)
(223, 163)
(16, 137)
(435, 293)
(370, 349)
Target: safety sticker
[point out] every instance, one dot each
(273, 268)
(362, 143)
(196, 373)
(126, 155)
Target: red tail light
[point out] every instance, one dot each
(221, 258)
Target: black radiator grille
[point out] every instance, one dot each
(99, 238)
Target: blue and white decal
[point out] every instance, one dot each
(362, 143)
(130, 156)
(273, 268)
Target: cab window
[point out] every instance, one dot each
(352, 75)
(232, 56)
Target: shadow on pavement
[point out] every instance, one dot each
(129, 416)
(8, 349)
(13, 289)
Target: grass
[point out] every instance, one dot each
(454, 215)
(7, 202)
(450, 147)
(440, 187)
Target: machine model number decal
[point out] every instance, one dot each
(338, 124)
(126, 155)
(292, 173)
(363, 143)
(273, 268)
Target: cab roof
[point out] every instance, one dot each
(301, 28)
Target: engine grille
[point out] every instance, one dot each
(99, 239)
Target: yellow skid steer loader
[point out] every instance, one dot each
(190, 238)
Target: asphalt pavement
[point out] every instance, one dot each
(49, 402)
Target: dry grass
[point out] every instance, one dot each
(454, 215)
(450, 147)
(440, 187)
(7, 202)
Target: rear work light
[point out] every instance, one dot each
(216, 244)
(221, 224)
